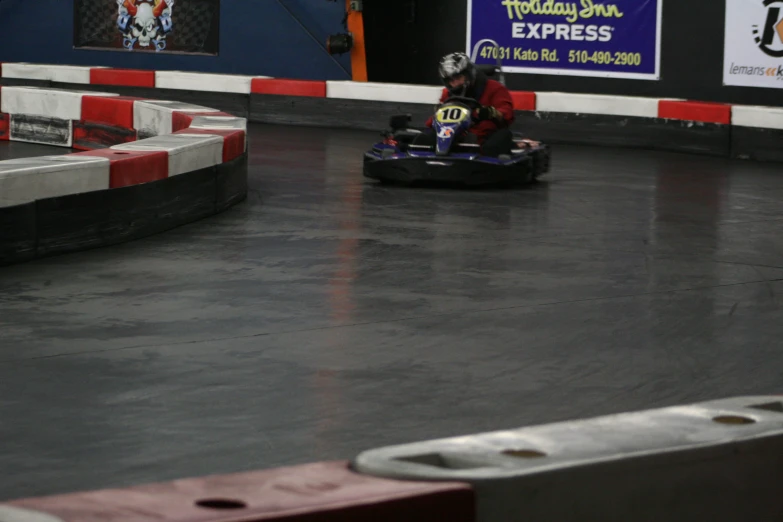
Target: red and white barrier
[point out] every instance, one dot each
(186, 152)
(597, 104)
(48, 72)
(155, 117)
(122, 77)
(754, 116)
(5, 122)
(302, 88)
(52, 103)
(189, 81)
(639, 106)
(116, 126)
(218, 122)
(318, 492)
(714, 460)
(383, 92)
(132, 168)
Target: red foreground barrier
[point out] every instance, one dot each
(523, 100)
(133, 168)
(309, 88)
(123, 77)
(4, 123)
(182, 120)
(320, 492)
(706, 112)
(110, 110)
(233, 140)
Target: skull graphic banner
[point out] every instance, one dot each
(179, 26)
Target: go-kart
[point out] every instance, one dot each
(455, 157)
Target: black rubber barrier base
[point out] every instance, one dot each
(230, 183)
(101, 218)
(333, 112)
(625, 131)
(757, 144)
(17, 233)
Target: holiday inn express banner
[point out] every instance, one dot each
(753, 43)
(604, 38)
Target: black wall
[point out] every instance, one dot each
(406, 38)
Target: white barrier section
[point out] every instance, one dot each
(29, 179)
(716, 460)
(597, 104)
(190, 81)
(388, 92)
(154, 117)
(12, 202)
(219, 122)
(755, 116)
(48, 102)
(54, 73)
(187, 152)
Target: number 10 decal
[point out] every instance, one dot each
(451, 114)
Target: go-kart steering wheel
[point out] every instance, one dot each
(472, 103)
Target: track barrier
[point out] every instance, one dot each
(694, 126)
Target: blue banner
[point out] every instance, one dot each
(605, 38)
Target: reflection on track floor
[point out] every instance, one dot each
(328, 315)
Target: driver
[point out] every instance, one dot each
(493, 120)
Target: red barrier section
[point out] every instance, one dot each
(233, 140)
(124, 77)
(90, 136)
(695, 111)
(133, 168)
(116, 111)
(321, 492)
(315, 89)
(524, 101)
(4, 122)
(182, 120)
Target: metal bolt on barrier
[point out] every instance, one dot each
(718, 460)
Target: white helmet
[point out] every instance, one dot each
(454, 64)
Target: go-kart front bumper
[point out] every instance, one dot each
(407, 169)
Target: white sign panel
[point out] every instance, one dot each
(753, 43)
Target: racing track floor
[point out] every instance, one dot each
(327, 315)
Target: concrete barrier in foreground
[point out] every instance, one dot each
(719, 460)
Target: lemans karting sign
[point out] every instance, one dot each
(606, 38)
(753, 43)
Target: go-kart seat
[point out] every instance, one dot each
(489, 70)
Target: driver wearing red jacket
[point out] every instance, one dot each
(494, 118)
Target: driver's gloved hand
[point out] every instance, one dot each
(489, 113)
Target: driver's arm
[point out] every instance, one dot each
(500, 109)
